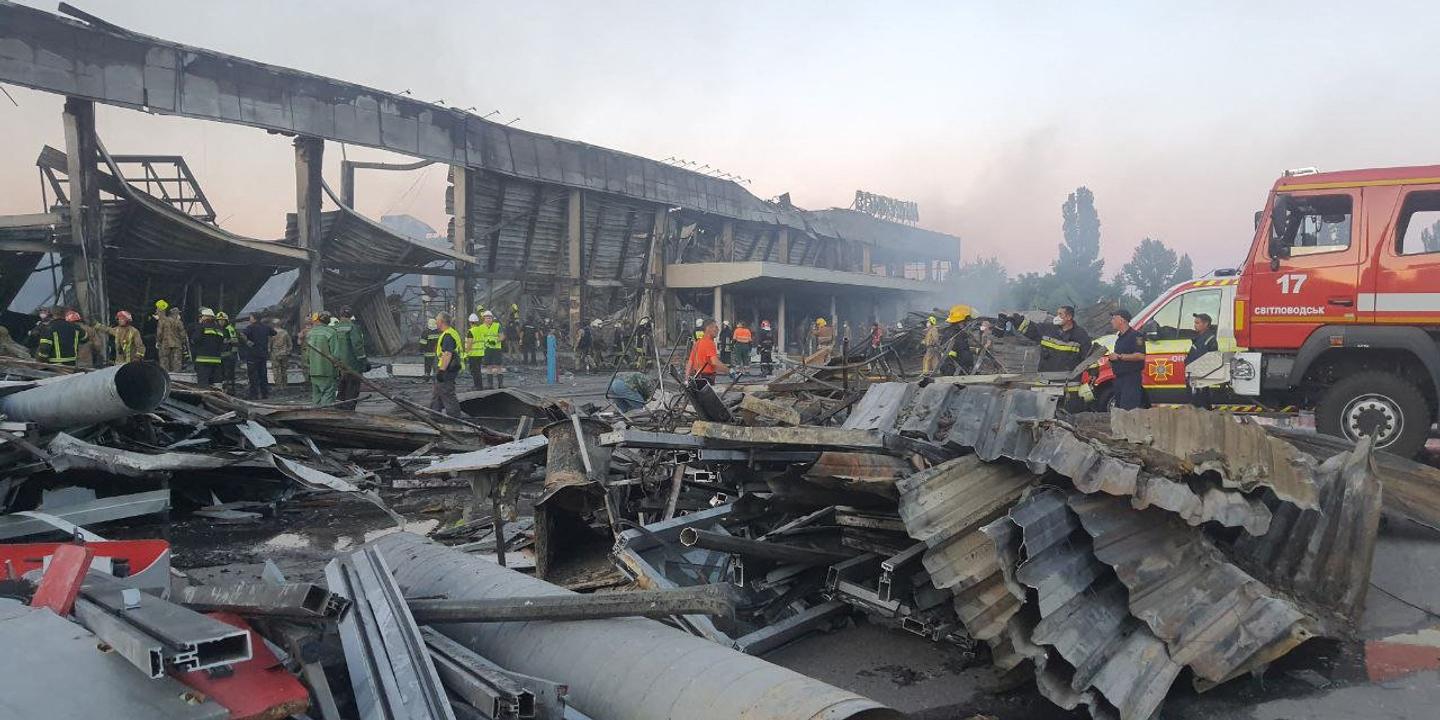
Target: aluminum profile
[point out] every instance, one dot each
(1242, 453)
(156, 635)
(1214, 617)
(391, 671)
(301, 601)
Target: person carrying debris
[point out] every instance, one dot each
(129, 346)
(1126, 362)
(493, 362)
(447, 350)
(427, 346)
(170, 339)
(744, 340)
(475, 351)
(631, 390)
(931, 342)
(323, 373)
(230, 358)
(280, 349)
(62, 345)
(765, 343)
(704, 361)
(209, 349)
(1204, 343)
(350, 341)
(1063, 344)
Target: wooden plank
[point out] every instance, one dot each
(490, 458)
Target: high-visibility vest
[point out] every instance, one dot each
(232, 339)
(459, 347)
(491, 335)
(477, 342)
(57, 352)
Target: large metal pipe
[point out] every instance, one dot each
(716, 600)
(70, 401)
(621, 669)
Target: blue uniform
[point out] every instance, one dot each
(1129, 393)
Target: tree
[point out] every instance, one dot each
(1030, 291)
(1183, 270)
(1153, 268)
(1078, 267)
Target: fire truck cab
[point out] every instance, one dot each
(1336, 309)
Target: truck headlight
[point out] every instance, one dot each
(1241, 369)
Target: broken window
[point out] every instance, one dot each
(1418, 230)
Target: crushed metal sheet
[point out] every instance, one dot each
(1242, 453)
(1412, 490)
(880, 407)
(1322, 557)
(931, 414)
(1214, 617)
(956, 497)
(71, 453)
(1092, 469)
(993, 420)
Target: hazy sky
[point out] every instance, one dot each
(987, 114)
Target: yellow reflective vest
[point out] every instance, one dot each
(459, 349)
(477, 342)
(489, 334)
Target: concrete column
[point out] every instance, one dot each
(865, 259)
(309, 159)
(347, 183)
(717, 303)
(574, 231)
(780, 324)
(461, 178)
(656, 301)
(784, 242)
(834, 319)
(86, 263)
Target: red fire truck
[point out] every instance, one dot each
(1336, 309)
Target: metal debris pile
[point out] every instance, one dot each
(1109, 557)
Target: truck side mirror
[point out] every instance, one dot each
(1280, 216)
(1150, 329)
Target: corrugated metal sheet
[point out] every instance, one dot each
(956, 497)
(880, 407)
(1322, 557)
(1240, 452)
(1214, 617)
(997, 422)
(1093, 469)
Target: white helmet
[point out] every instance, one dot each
(207, 312)
(474, 317)
(699, 323)
(488, 314)
(595, 322)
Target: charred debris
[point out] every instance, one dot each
(1106, 559)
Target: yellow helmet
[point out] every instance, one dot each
(959, 313)
(819, 322)
(221, 316)
(161, 305)
(931, 320)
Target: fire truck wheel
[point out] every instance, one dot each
(1380, 404)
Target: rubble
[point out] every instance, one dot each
(1107, 557)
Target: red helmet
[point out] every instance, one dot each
(72, 316)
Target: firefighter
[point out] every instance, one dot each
(824, 336)
(427, 346)
(229, 359)
(957, 359)
(1201, 345)
(724, 342)
(1063, 344)
(209, 349)
(493, 362)
(62, 345)
(699, 328)
(475, 352)
(765, 343)
(40, 330)
(170, 339)
(446, 351)
(1126, 362)
(931, 342)
(530, 340)
(129, 346)
(323, 373)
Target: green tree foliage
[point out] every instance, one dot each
(1078, 267)
(1152, 269)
